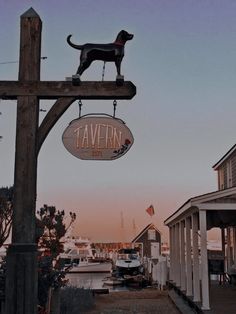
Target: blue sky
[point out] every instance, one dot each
(182, 60)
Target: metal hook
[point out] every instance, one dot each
(114, 105)
(103, 70)
(80, 106)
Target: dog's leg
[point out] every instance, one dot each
(83, 66)
(118, 65)
(119, 77)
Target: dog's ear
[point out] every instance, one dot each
(123, 34)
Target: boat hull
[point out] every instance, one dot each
(91, 268)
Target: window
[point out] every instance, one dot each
(151, 234)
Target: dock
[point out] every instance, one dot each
(222, 297)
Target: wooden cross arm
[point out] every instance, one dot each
(56, 89)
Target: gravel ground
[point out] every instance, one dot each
(147, 301)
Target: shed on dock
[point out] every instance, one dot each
(149, 240)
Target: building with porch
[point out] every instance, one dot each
(191, 263)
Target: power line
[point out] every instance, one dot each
(9, 62)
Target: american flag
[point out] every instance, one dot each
(150, 210)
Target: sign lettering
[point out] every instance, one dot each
(97, 138)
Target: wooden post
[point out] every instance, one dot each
(21, 275)
(55, 301)
(21, 284)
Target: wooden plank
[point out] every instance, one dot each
(56, 89)
(21, 279)
(30, 46)
(56, 111)
(100, 291)
(23, 230)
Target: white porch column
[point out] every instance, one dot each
(204, 261)
(223, 239)
(182, 257)
(234, 244)
(189, 272)
(171, 252)
(173, 260)
(177, 255)
(228, 250)
(196, 280)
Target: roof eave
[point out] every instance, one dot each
(226, 156)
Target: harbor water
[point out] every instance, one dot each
(91, 281)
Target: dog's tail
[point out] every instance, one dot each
(73, 45)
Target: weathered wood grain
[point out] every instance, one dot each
(21, 279)
(55, 89)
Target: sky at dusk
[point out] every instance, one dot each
(182, 60)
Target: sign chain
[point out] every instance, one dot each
(80, 106)
(114, 105)
(103, 70)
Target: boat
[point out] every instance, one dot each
(78, 256)
(128, 262)
(113, 281)
(86, 266)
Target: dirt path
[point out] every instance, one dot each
(138, 302)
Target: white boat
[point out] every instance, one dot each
(113, 281)
(78, 257)
(91, 267)
(128, 262)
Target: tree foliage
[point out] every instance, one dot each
(51, 228)
(6, 211)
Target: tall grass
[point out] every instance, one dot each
(76, 300)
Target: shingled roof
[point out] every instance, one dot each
(151, 225)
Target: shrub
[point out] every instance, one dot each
(76, 300)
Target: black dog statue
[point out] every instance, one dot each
(113, 52)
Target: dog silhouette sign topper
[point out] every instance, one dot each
(112, 52)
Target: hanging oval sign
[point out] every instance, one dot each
(97, 138)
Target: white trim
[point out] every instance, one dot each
(195, 201)
(216, 206)
(226, 156)
(178, 213)
(214, 195)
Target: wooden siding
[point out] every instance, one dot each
(147, 243)
(234, 169)
(225, 175)
(223, 168)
